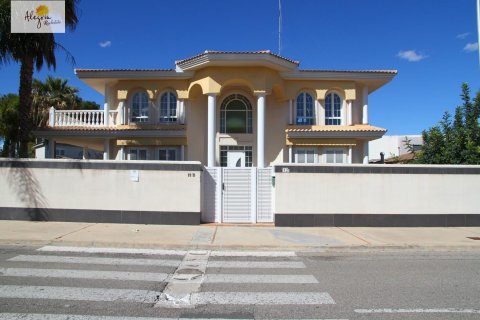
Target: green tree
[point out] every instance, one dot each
(57, 93)
(31, 50)
(53, 92)
(9, 124)
(457, 141)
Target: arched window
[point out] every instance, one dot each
(304, 109)
(168, 107)
(236, 115)
(139, 107)
(333, 109)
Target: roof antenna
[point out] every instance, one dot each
(280, 27)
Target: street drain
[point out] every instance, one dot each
(474, 238)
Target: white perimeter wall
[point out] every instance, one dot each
(376, 193)
(100, 189)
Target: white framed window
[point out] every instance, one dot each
(335, 155)
(138, 154)
(333, 109)
(304, 109)
(236, 114)
(139, 107)
(169, 154)
(305, 155)
(168, 107)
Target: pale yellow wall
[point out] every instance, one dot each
(276, 150)
(196, 128)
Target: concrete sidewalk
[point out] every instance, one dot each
(236, 237)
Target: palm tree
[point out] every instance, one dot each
(54, 92)
(31, 50)
(9, 124)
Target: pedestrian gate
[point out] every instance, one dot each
(237, 195)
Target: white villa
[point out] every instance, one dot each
(229, 109)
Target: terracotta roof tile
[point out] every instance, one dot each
(354, 128)
(237, 52)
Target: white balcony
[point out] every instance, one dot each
(83, 118)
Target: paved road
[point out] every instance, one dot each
(116, 283)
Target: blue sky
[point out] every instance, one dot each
(430, 42)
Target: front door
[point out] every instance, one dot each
(236, 159)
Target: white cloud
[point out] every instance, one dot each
(463, 35)
(411, 55)
(471, 47)
(105, 44)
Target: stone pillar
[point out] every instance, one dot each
(261, 130)
(365, 105)
(365, 152)
(321, 112)
(211, 136)
(182, 152)
(350, 155)
(181, 111)
(290, 154)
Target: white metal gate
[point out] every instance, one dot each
(237, 195)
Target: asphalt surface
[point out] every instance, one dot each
(397, 284)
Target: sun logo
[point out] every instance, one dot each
(42, 10)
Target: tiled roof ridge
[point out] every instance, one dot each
(236, 52)
(359, 71)
(134, 70)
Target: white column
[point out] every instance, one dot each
(261, 130)
(51, 117)
(350, 154)
(365, 105)
(290, 154)
(181, 111)
(106, 107)
(290, 111)
(121, 112)
(182, 152)
(106, 149)
(349, 113)
(365, 152)
(122, 153)
(211, 129)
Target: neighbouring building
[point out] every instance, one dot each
(230, 109)
(393, 147)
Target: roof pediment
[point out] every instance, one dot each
(237, 59)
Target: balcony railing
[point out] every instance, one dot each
(82, 118)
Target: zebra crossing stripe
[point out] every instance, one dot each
(257, 264)
(113, 250)
(272, 254)
(261, 298)
(166, 252)
(418, 310)
(96, 260)
(259, 278)
(147, 296)
(84, 274)
(37, 316)
(78, 294)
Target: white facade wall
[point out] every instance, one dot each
(377, 193)
(100, 189)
